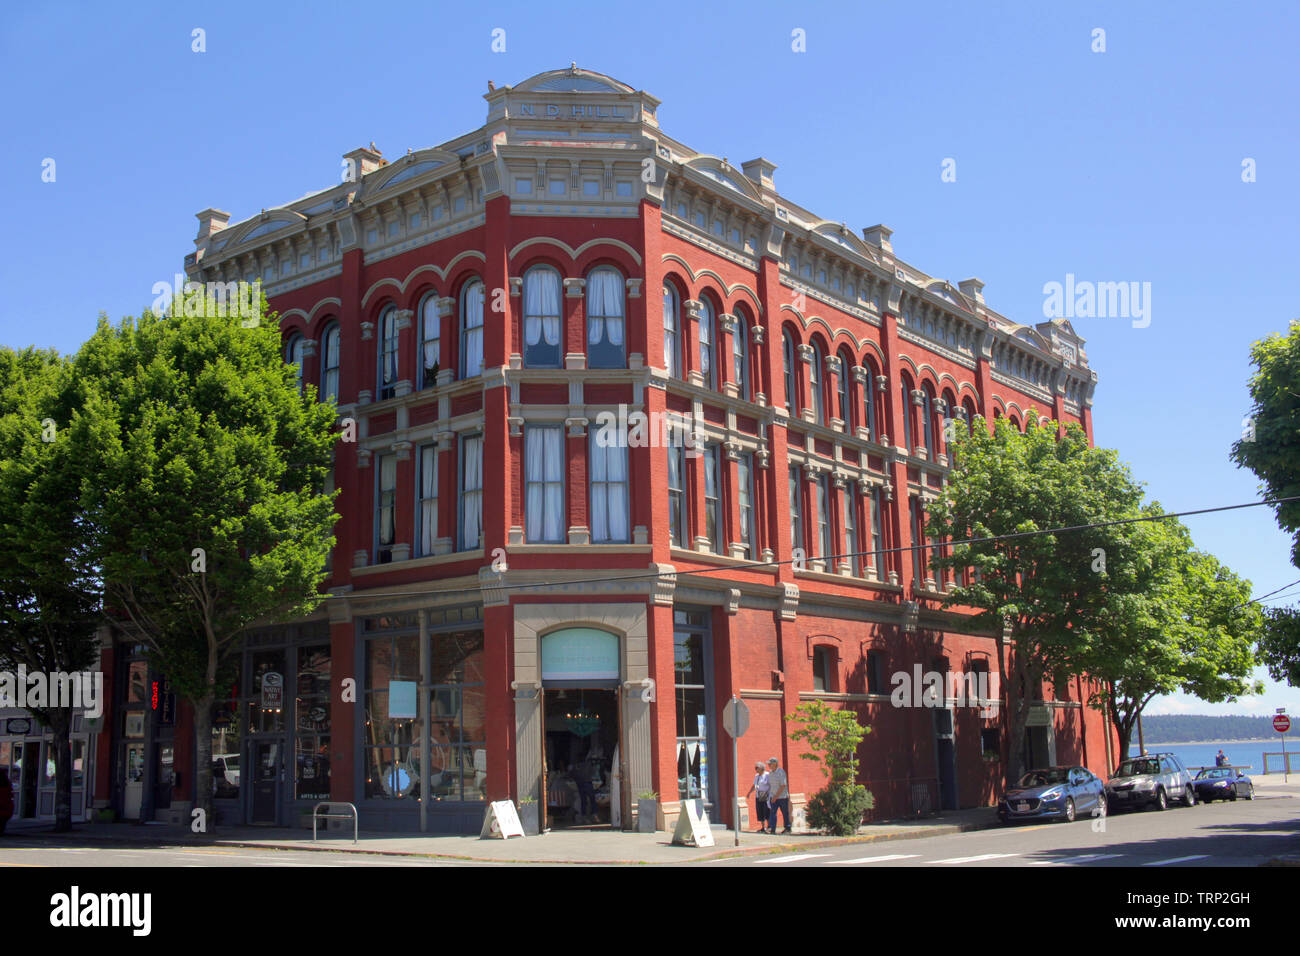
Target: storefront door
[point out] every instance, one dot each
(268, 775)
(133, 785)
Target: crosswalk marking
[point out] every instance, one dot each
(1076, 859)
(792, 859)
(1177, 859)
(976, 859)
(878, 859)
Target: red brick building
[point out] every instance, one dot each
(573, 610)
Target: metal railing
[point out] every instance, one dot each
(333, 814)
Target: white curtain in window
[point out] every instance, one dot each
(544, 479)
(330, 362)
(670, 332)
(706, 341)
(542, 307)
(295, 359)
(387, 487)
(609, 510)
(430, 332)
(472, 322)
(390, 347)
(428, 498)
(605, 307)
(472, 502)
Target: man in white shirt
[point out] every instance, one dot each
(779, 795)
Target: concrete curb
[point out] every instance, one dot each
(721, 853)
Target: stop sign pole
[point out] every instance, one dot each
(1282, 723)
(735, 720)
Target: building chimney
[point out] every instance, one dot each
(760, 171)
(362, 161)
(973, 288)
(878, 235)
(210, 221)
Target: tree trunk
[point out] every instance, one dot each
(1019, 705)
(60, 722)
(203, 757)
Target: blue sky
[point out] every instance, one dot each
(1123, 165)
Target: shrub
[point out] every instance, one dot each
(838, 808)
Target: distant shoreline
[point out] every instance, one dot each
(1217, 743)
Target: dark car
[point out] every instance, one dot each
(6, 799)
(1054, 792)
(1223, 783)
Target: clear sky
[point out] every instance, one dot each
(1122, 165)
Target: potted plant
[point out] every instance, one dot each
(647, 811)
(528, 815)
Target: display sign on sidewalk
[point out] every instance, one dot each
(692, 826)
(501, 822)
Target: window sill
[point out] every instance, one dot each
(429, 561)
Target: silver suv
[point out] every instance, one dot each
(1150, 780)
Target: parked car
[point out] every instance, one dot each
(1053, 792)
(6, 799)
(1152, 780)
(225, 775)
(1223, 783)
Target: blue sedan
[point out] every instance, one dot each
(1054, 793)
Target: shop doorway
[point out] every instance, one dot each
(268, 773)
(133, 783)
(581, 730)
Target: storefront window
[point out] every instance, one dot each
(266, 706)
(312, 716)
(690, 646)
(227, 734)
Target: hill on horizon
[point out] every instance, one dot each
(1183, 728)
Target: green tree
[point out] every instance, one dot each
(49, 591)
(833, 737)
(1045, 590)
(207, 491)
(1279, 645)
(1176, 619)
(1270, 443)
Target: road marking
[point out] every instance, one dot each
(792, 859)
(1075, 859)
(976, 859)
(1177, 859)
(878, 859)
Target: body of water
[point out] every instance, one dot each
(1238, 752)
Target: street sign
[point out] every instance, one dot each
(1281, 723)
(735, 717)
(735, 721)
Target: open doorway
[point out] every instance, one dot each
(582, 732)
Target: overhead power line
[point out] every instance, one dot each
(755, 565)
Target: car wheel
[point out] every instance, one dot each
(1232, 795)
(1069, 809)
(1162, 799)
(1189, 796)
(1250, 794)
(1103, 806)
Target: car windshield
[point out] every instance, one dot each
(1043, 778)
(1131, 768)
(1211, 774)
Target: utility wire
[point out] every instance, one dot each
(753, 565)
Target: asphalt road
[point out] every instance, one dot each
(38, 852)
(1244, 833)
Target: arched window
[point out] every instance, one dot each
(740, 356)
(430, 341)
(815, 382)
(970, 415)
(869, 402)
(388, 355)
(787, 356)
(471, 330)
(951, 412)
(672, 331)
(845, 390)
(329, 363)
(708, 340)
(927, 420)
(606, 346)
(542, 312)
(293, 354)
(905, 440)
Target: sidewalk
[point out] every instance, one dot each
(558, 846)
